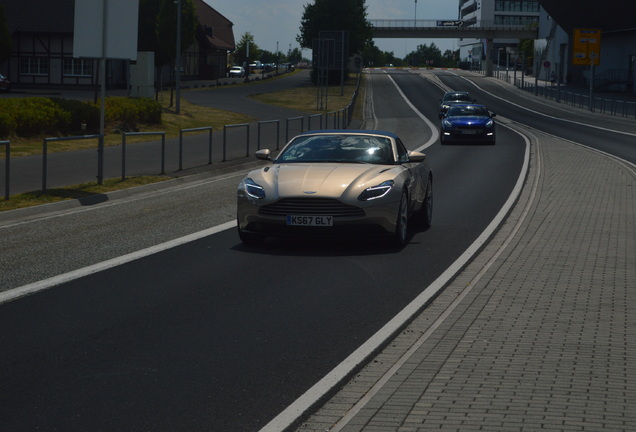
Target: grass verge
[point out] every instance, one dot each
(81, 191)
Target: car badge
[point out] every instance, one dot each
(309, 192)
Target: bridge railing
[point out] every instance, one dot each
(427, 23)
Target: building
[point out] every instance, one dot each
(42, 37)
(615, 71)
(489, 13)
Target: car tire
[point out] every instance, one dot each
(426, 212)
(251, 239)
(400, 237)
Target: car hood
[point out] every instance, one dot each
(330, 180)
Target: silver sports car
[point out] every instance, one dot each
(336, 182)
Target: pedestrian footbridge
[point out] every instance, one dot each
(434, 29)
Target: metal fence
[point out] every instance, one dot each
(234, 137)
(580, 98)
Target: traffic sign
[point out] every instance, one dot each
(450, 23)
(586, 47)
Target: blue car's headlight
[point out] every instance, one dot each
(252, 189)
(447, 124)
(490, 123)
(378, 191)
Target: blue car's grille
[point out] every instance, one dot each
(311, 206)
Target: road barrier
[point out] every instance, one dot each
(45, 145)
(7, 166)
(574, 97)
(123, 150)
(199, 129)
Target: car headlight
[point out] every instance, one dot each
(490, 123)
(378, 191)
(252, 189)
(447, 124)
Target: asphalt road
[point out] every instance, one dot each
(208, 334)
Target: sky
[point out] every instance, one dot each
(276, 22)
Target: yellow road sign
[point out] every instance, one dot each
(586, 46)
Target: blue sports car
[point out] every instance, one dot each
(466, 123)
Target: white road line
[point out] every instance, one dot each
(104, 265)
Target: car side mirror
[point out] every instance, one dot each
(263, 154)
(493, 115)
(416, 156)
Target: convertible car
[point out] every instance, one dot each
(336, 183)
(468, 122)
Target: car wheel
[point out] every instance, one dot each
(426, 211)
(400, 236)
(251, 239)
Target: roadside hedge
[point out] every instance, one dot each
(39, 116)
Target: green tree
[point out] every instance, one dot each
(166, 27)
(336, 15)
(295, 56)
(428, 56)
(147, 28)
(5, 37)
(374, 57)
(241, 54)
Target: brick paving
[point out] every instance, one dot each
(535, 334)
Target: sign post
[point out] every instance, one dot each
(587, 49)
(105, 29)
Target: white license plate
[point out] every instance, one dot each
(310, 220)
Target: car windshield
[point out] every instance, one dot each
(464, 111)
(340, 148)
(457, 97)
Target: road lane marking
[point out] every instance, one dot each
(51, 282)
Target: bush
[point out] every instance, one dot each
(132, 111)
(82, 113)
(7, 125)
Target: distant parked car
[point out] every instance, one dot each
(236, 71)
(5, 85)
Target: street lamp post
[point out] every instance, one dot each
(415, 16)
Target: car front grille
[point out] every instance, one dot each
(311, 206)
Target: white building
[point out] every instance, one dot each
(488, 13)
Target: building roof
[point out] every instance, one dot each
(216, 29)
(608, 15)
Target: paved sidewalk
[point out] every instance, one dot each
(537, 333)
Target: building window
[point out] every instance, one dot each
(34, 66)
(516, 6)
(78, 67)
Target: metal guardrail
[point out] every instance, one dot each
(182, 131)
(611, 106)
(45, 143)
(264, 122)
(247, 139)
(123, 150)
(7, 167)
